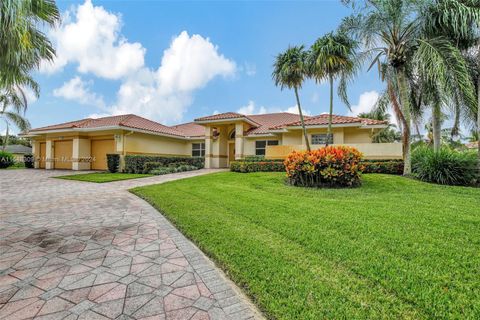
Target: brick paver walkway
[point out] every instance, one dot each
(78, 250)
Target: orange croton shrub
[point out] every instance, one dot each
(332, 166)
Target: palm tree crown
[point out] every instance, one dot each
(289, 71)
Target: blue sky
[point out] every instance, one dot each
(175, 61)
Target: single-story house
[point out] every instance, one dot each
(220, 138)
(18, 151)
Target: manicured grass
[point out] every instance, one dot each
(394, 248)
(101, 177)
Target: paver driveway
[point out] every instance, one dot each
(79, 250)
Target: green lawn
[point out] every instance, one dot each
(101, 177)
(393, 248)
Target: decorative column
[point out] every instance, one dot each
(208, 147)
(239, 141)
(81, 154)
(49, 155)
(36, 154)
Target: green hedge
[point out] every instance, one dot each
(257, 166)
(382, 166)
(172, 169)
(113, 162)
(136, 163)
(29, 160)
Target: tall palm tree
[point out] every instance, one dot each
(395, 33)
(23, 46)
(332, 57)
(290, 70)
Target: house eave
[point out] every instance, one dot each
(80, 130)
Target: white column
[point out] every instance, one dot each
(81, 154)
(208, 147)
(239, 141)
(49, 154)
(36, 154)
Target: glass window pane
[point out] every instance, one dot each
(195, 153)
(260, 144)
(259, 152)
(273, 142)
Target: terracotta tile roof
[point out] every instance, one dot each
(191, 129)
(127, 121)
(221, 116)
(269, 120)
(323, 120)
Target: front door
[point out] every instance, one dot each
(231, 152)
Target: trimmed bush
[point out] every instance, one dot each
(332, 166)
(447, 166)
(29, 160)
(113, 162)
(260, 159)
(172, 169)
(6, 159)
(263, 166)
(136, 163)
(382, 166)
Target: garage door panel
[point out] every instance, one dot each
(63, 154)
(42, 155)
(99, 151)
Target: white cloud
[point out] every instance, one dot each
(78, 90)
(251, 108)
(164, 95)
(92, 40)
(366, 102)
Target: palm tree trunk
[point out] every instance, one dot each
(301, 119)
(399, 114)
(456, 121)
(478, 117)
(330, 114)
(405, 106)
(436, 126)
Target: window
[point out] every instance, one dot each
(321, 139)
(261, 145)
(198, 149)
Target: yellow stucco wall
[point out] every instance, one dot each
(140, 143)
(355, 135)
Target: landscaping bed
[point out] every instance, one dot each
(392, 248)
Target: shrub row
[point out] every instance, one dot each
(172, 169)
(447, 166)
(136, 163)
(332, 166)
(257, 166)
(260, 159)
(382, 166)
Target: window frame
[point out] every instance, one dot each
(324, 139)
(264, 148)
(200, 149)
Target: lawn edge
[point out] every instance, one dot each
(240, 288)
